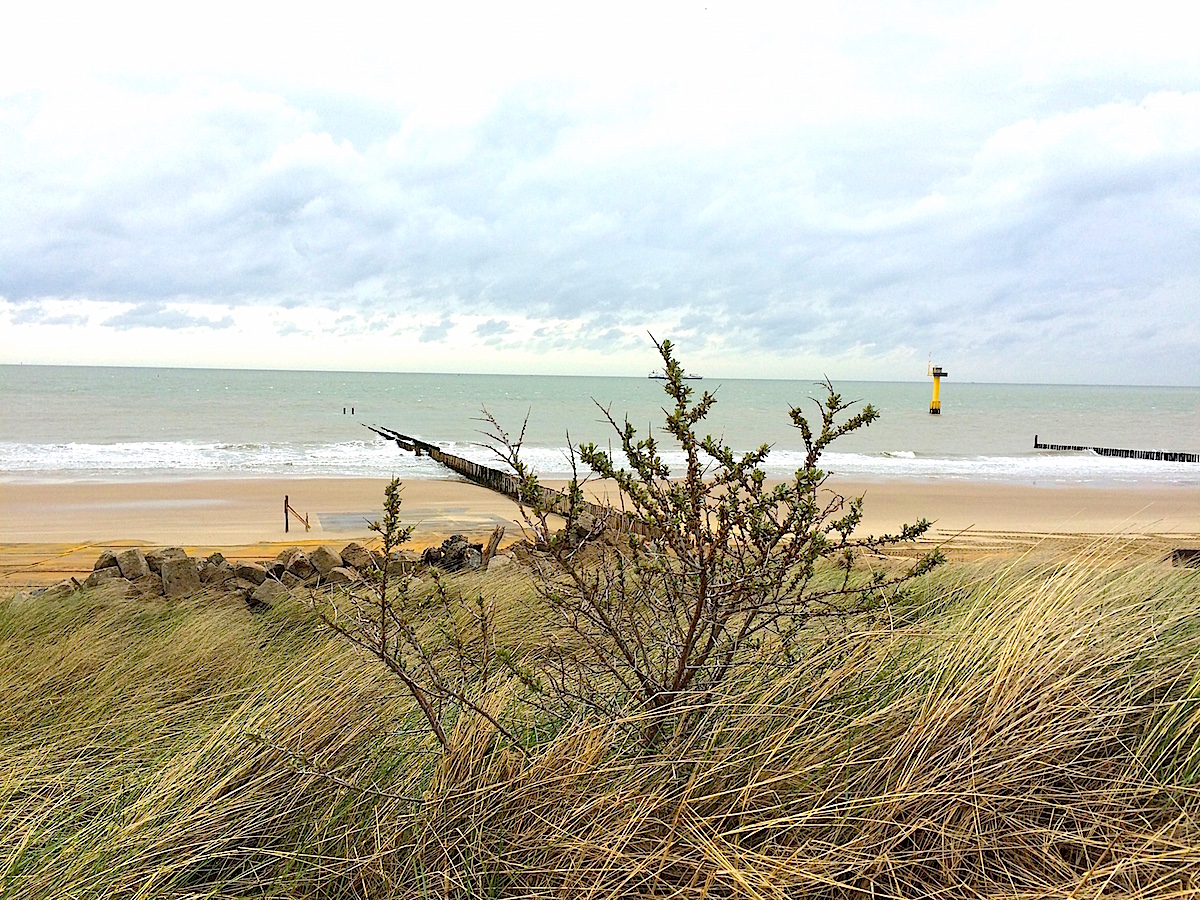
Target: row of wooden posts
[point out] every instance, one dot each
(505, 483)
(1163, 455)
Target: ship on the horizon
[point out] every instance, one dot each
(662, 376)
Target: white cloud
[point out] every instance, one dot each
(843, 187)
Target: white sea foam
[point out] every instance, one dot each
(1047, 469)
(173, 460)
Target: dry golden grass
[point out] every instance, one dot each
(1026, 730)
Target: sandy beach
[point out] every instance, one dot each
(49, 531)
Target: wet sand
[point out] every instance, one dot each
(48, 531)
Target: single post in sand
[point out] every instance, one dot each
(288, 512)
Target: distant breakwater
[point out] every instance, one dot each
(1164, 455)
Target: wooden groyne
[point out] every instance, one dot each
(507, 484)
(485, 476)
(1164, 455)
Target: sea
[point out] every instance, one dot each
(97, 424)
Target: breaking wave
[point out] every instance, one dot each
(179, 460)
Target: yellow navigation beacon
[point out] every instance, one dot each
(938, 373)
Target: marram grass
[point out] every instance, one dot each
(1017, 731)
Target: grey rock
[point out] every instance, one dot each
(180, 577)
(356, 556)
(156, 558)
(250, 571)
(115, 588)
(341, 575)
(455, 554)
(106, 560)
(132, 563)
(242, 586)
(291, 580)
(216, 574)
(301, 567)
(275, 568)
(149, 585)
(215, 559)
(99, 576)
(324, 559)
(269, 592)
(60, 591)
(287, 555)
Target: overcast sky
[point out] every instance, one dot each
(1013, 188)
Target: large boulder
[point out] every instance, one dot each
(106, 560)
(222, 574)
(241, 586)
(215, 573)
(149, 585)
(287, 555)
(356, 556)
(456, 554)
(250, 571)
(324, 559)
(156, 558)
(100, 576)
(132, 563)
(301, 567)
(341, 575)
(60, 591)
(267, 593)
(180, 577)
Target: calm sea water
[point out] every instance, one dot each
(112, 424)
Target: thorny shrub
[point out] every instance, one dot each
(678, 585)
(686, 580)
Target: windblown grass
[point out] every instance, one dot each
(1028, 730)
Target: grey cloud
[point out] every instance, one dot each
(493, 327)
(35, 314)
(155, 315)
(435, 333)
(894, 236)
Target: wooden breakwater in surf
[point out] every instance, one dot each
(1163, 455)
(558, 502)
